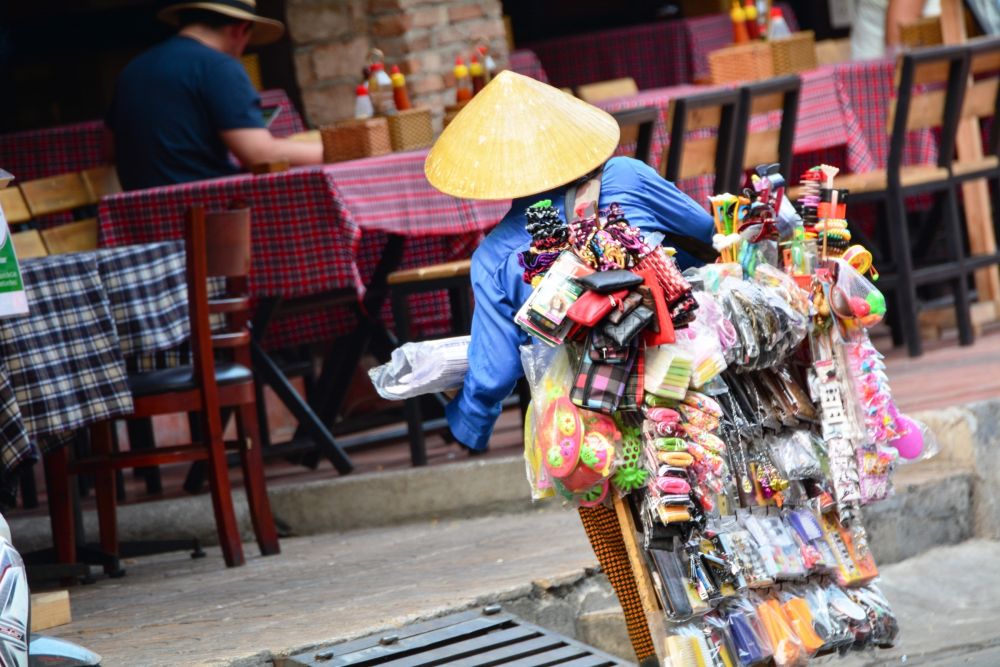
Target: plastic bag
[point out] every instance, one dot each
(422, 368)
(793, 452)
(549, 375)
(856, 302)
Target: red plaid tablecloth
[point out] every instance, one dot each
(67, 148)
(826, 129)
(526, 62)
(660, 54)
(320, 228)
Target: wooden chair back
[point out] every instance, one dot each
(765, 146)
(605, 90)
(982, 99)
(78, 236)
(925, 31)
(640, 123)
(15, 209)
(28, 244)
(101, 181)
(226, 243)
(710, 154)
(56, 194)
(930, 94)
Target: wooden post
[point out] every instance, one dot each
(976, 196)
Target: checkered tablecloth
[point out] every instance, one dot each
(826, 128)
(62, 365)
(319, 229)
(660, 54)
(68, 148)
(526, 62)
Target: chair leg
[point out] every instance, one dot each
(415, 429)
(252, 458)
(222, 498)
(906, 292)
(960, 284)
(57, 484)
(105, 487)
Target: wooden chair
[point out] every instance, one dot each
(450, 276)
(15, 209)
(641, 123)
(218, 245)
(28, 244)
(982, 101)
(605, 90)
(101, 181)
(833, 51)
(924, 31)
(78, 236)
(56, 194)
(767, 146)
(708, 152)
(931, 89)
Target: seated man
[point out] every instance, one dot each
(181, 107)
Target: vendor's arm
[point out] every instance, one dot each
(494, 360)
(653, 203)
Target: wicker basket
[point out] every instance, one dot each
(450, 111)
(922, 32)
(742, 62)
(353, 139)
(795, 53)
(411, 129)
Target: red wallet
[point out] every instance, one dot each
(591, 307)
(666, 326)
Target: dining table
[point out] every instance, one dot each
(63, 365)
(324, 240)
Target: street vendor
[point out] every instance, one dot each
(182, 107)
(523, 140)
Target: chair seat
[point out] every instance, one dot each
(967, 167)
(181, 378)
(456, 269)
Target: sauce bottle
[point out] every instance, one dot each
(463, 89)
(399, 94)
(478, 74)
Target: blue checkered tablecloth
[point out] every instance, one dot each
(62, 366)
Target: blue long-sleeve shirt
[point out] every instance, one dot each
(648, 201)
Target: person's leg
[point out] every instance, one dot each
(605, 535)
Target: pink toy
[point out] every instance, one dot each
(910, 443)
(560, 436)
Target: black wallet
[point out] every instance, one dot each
(605, 282)
(624, 331)
(668, 577)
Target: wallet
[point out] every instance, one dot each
(661, 330)
(629, 327)
(605, 282)
(669, 579)
(591, 307)
(631, 301)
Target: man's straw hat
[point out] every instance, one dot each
(265, 30)
(518, 137)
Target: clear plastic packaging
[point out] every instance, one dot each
(425, 367)
(794, 453)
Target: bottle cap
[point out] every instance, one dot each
(473, 59)
(776, 13)
(361, 90)
(394, 70)
(459, 61)
(375, 67)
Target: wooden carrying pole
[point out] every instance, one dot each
(976, 196)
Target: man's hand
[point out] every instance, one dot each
(256, 145)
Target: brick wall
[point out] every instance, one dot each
(331, 40)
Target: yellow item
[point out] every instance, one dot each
(737, 13)
(476, 68)
(519, 137)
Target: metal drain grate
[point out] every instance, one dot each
(470, 639)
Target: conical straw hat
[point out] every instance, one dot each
(518, 137)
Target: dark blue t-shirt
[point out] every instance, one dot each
(169, 106)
